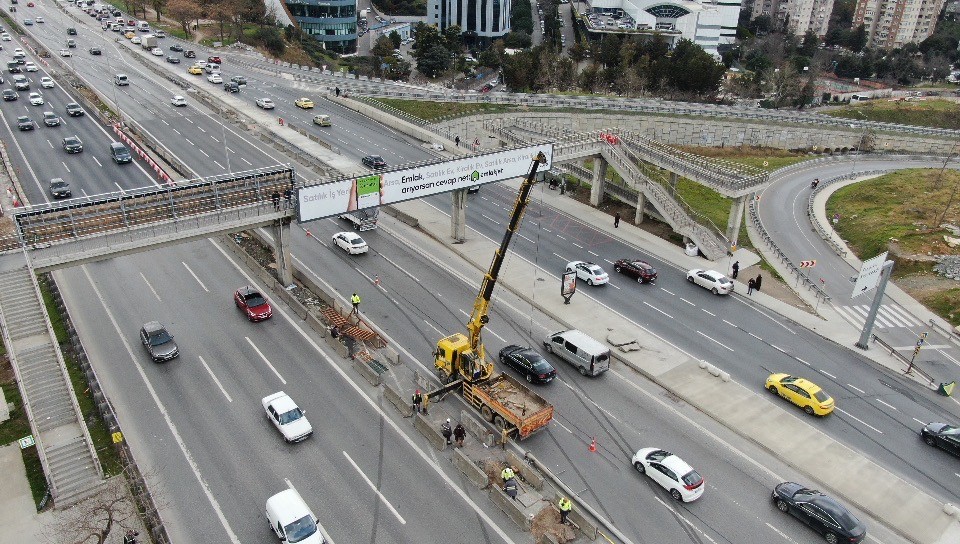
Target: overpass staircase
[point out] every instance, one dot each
(63, 442)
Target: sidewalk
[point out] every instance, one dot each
(19, 519)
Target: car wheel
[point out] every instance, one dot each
(590, 282)
(616, 269)
(930, 440)
(808, 410)
(639, 279)
(715, 291)
(783, 506)
(831, 538)
(583, 371)
(773, 389)
(529, 378)
(690, 279)
(547, 347)
(639, 466)
(676, 495)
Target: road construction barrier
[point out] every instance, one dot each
(474, 474)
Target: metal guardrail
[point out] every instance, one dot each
(913, 367)
(825, 232)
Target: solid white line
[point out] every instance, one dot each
(828, 374)
(920, 422)
(592, 253)
(862, 392)
(685, 520)
(152, 290)
(204, 153)
(858, 420)
(658, 309)
(212, 375)
(432, 327)
(781, 533)
(733, 325)
(166, 415)
(887, 405)
(668, 292)
(564, 427)
(265, 360)
(687, 301)
(492, 220)
(755, 336)
(400, 268)
(714, 340)
(374, 488)
(708, 312)
(612, 285)
(194, 276)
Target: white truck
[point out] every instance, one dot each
(365, 219)
(148, 42)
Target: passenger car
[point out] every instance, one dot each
(46, 82)
(25, 123)
(642, 271)
(50, 119)
(72, 144)
(71, 31)
(265, 103)
(157, 52)
(60, 188)
(136, 40)
(178, 101)
(66, 53)
(231, 87)
(176, 47)
(822, 513)
(95, 51)
(214, 59)
(943, 436)
(9, 95)
(28, 22)
(239, 80)
(158, 342)
(74, 110)
(669, 472)
(588, 272)
(287, 417)
(31, 67)
(215, 78)
(304, 103)
(173, 60)
(21, 83)
(36, 99)
(711, 280)
(322, 120)
(195, 70)
(529, 363)
(71, 43)
(253, 304)
(291, 519)
(350, 242)
(801, 392)
(374, 161)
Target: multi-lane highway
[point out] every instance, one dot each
(198, 425)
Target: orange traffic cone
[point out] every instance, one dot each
(310, 234)
(376, 279)
(593, 445)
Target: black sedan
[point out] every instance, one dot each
(9, 95)
(72, 144)
(374, 161)
(95, 51)
(25, 123)
(943, 436)
(529, 363)
(177, 48)
(74, 110)
(822, 513)
(173, 60)
(60, 188)
(642, 271)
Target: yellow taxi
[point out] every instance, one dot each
(195, 70)
(129, 35)
(801, 392)
(304, 103)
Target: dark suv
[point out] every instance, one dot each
(9, 95)
(158, 342)
(119, 153)
(72, 144)
(231, 87)
(374, 161)
(60, 188)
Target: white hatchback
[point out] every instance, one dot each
(711, 280)
(265, 103)
(178, 101)
(588, 272)
(46, 82)
(287, 417)
(670, 472)
(350, 242)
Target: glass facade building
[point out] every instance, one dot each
(332, 22)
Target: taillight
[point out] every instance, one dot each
(693, 486)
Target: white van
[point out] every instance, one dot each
(143, 26)
(589, 356)
(292, 520)
(120, 80)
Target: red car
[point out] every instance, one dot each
(30, 4)
(252, 303)
(214, 59)
(640, 270)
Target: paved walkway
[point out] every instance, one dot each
(19, 519)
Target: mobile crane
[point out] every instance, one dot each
(461, 362)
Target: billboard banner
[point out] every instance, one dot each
(337, 197)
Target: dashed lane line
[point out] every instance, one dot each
(890, 406)
(265, 360)
(719, 343)
(858, 420)
(855, 388)
(658, 309)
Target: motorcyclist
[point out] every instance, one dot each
(814, 183)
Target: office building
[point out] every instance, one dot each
(332, 22)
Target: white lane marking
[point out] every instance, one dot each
(592, 253)
(152, 290)
(374, 488)
(246, 161)
(562, 258)
(527, 239)
(862, 392)
(189, 142)
(609, 261)
(432, 327)
(733, 325)
(215, 138)
(685, 520)
(560, 237)
(98, 162)
(858, 420)
(778, 348)
(612, 285)
(577, 245)
(204, 153)
(488, 218)
(708, 312)
(687, 301)
(544, 229)
(400, 268)
(201, 130)
(781, 533)
(178, 132)
(755, 336)
(214, 376)
(222, 167)
(556, 421)
(163, 410)
(890, 406)
(920, 422)
(658, 309)
(827, 374)
(66, 167)
(802, 361)
(668, 292)
(714, 340)
(194, 276)
(265, 360)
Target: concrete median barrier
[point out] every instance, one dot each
(368, 373)
(532, 477)
(475, 474)
(393, 394)
(513, 509)
(587, 527)
(432, 433)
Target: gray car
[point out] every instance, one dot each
(158, 342)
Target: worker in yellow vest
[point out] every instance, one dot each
(565, 507)
(355, 300)
(507, 474)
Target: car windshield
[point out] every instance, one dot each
(692, 478)
(158, 338)
(377, 158)
(950, 430)
(290, 416)
(300, 529)
(821, 396)
(539, 365)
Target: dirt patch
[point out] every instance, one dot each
(547, 522)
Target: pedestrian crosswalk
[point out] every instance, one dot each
(888, 316)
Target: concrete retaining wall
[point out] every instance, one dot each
(398, 400)
(475, 474)
(433, 434)
(509, 507)
(400, 216)
(587, 527)
(368, 373)
(476, 428)
(532, 477)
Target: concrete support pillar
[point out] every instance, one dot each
(281, 234)
(599, 178)
(641, 202)
(458, 216)
(735, 218)
(673, 184)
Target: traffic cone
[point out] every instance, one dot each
(593, 445)
(376, 279)
(310, 234)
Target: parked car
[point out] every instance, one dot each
(711, 280)
(642, 271)
(943, 436)
(803, 393)
(528, 362)
(670, 472)
(350, 242)
(819, 511)
(588, 272)
(287, 417)
(252, 304)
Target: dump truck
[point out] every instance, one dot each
(460, 359)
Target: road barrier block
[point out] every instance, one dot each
(433, 434)
(532, 477)
(397, 399)
(475, 474)
(477, 429)
(513, 509)
(368, 373)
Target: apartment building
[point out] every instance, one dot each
(894, 23)
(798, 16)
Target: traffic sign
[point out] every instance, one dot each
(869, 274)
(808, 264)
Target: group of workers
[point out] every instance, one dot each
(510, 487)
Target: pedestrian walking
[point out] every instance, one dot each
(355, 300)
(751, 285)
(446, 431)
(757, 282)
(616, 220)
(275, 197)
(417, 401)
(459, 434)
(507, 473)
(130, 537)
(565, 507)
(288, 198)
(338, 92)
(736, 269)
(457, 141)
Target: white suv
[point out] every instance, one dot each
(287, 417)
(292, 520)
(588, 272)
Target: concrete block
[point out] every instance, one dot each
(294, 304)
(317, 325)
(432, 433)
(510, 507)
(529, 475)
(475, 474)
(337, 346)
(398, 400)
(367, 372)
(390, 355)
(587, 527)
(476, 428)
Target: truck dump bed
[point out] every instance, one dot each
(515, 402)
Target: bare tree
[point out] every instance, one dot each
(183, 11)
(158, 6)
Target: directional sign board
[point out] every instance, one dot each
(869, 274)
(808, 264)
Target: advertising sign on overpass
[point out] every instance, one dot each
(338, 197)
